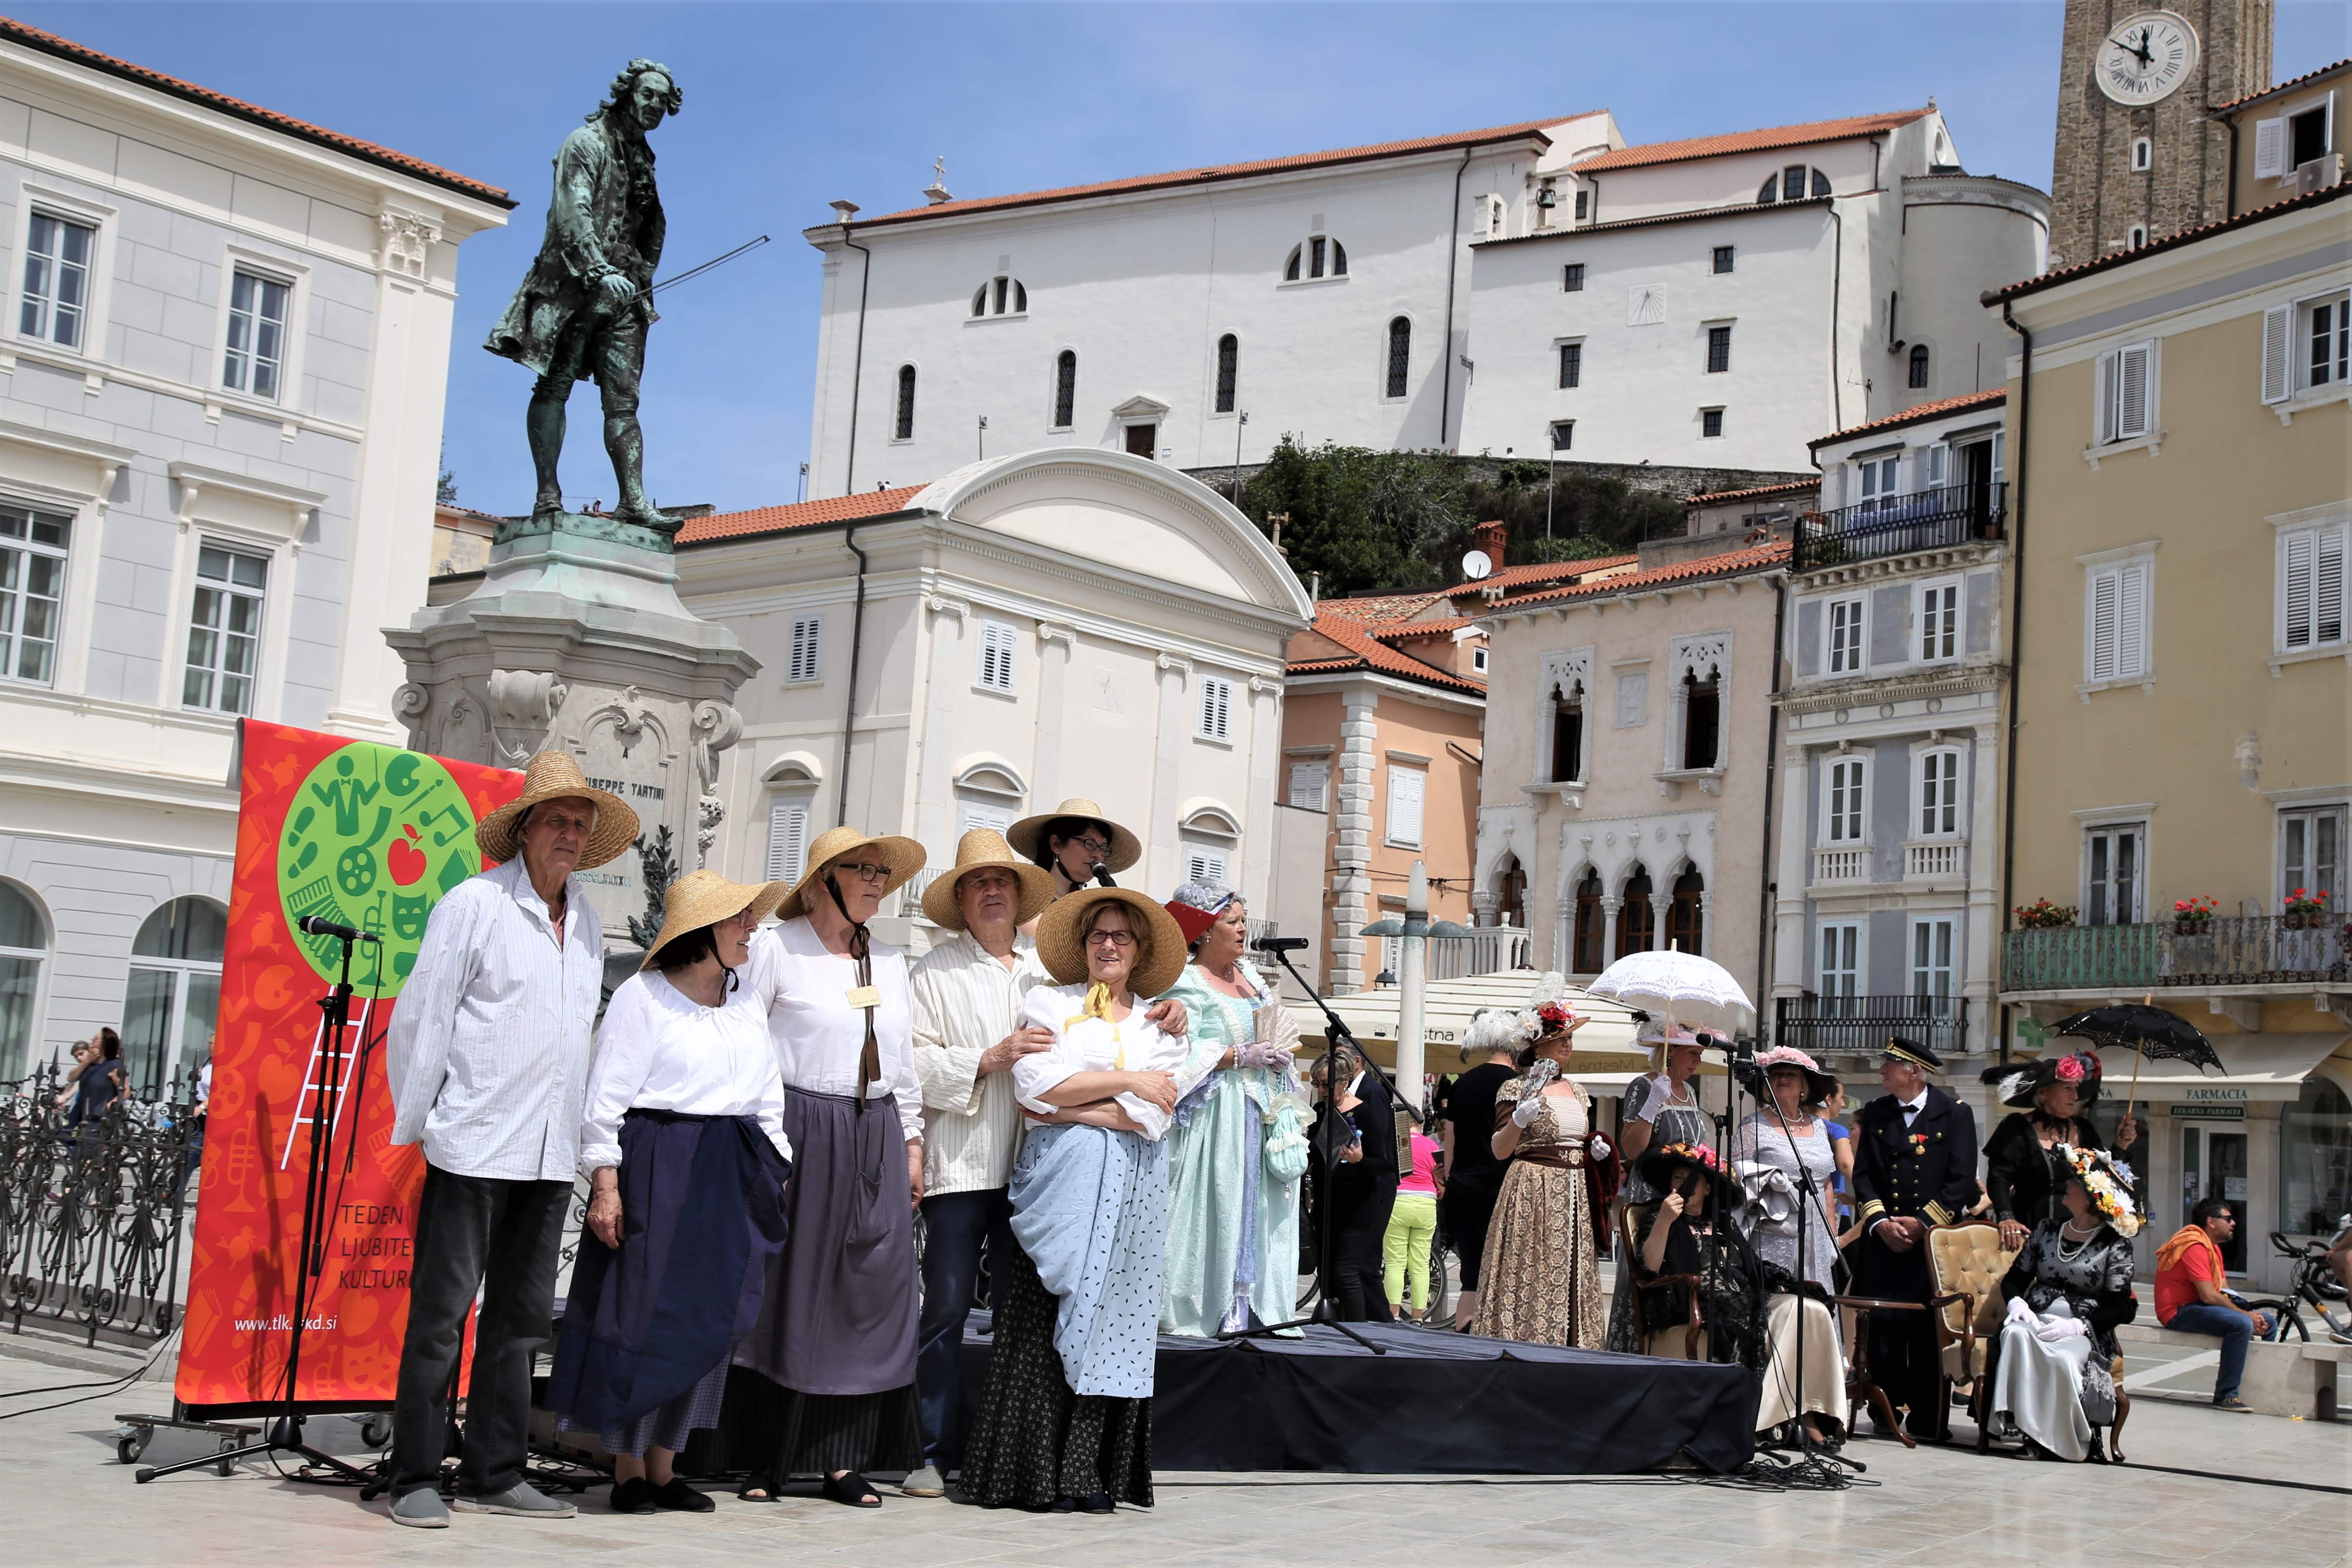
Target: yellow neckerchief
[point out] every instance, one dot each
(1097, 1005)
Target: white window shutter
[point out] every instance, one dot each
(2102, 660)
(808, 636)
(1404, 804)
(2298, 550)
(2131, 612)
(2103, 417)
(2133, 366)
(1306, 784)
(2278, 354)
(787, 836)
(2329, 607)
(2270, 148)
(1216, 708)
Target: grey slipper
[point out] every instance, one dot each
(522, 1499)
(420, 1510)
(925, 1482)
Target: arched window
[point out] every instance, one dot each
(1766, 196)
(1587, 959)
(1511, 892)
(1918, 365)
(903, 427)
(1229, 370)
(23, 943)
(1316, 256)
(1568, 734)
(2315, 1158)
(1637, 921)
(1001, 295)
(1791, 184)
(1685, 921)
(1400, 355)
(791, 800)
(1820, 184)
(1065, 388)
(173, 997)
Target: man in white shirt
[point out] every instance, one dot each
(488, 1058)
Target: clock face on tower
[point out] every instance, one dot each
(2144, 57)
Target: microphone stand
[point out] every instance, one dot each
(1327, 1115)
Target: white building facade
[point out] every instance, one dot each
(1058, 623)
(222, 365)
(1734, 295)
(1887, 848)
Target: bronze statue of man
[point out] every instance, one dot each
(582, 311)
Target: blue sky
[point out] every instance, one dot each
(788, 106)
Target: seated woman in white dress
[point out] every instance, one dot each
(2069, 1287)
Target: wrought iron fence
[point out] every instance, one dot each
(1925, 520)
(91, 1213)
(2256, 950)
(1859, 1025)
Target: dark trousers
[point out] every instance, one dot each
(1903, 1360)
(959, 1229)
(500, 1237)
(1358, 1226)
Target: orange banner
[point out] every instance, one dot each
(366, 835)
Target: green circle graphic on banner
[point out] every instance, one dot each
(372, 840)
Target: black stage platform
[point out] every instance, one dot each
(1437, 1402)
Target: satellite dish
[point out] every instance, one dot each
(1476, 565)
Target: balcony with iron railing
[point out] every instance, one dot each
(1859, 1025)
(1935, 518)
(2284, 950)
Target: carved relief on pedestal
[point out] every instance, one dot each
(523, 704)
(717, 727)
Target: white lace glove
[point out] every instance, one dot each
(2018, 1312)
(1597, 1146)
(1524, 1113)
(1265, 1056)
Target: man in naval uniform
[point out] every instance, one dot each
(1915, 1165)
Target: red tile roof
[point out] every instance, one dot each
(2186, 237)
(2289, 85)
(1520, 577)
(1791, 486)
(800, 514)
(1730, 563)
(12, 31)
(1216, 172)
(1405, 631)
(1805, 135)
(1991, 398)
(1366, 651)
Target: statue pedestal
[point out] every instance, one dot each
(576, 638)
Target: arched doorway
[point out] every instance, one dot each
(1511, 892)
(1636, 919)
(1684, 922)
(169, 1009)
(1586, 958)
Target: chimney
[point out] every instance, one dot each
(843, 211)
(1491, 537)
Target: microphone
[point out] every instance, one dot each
(313, 925)
(1102, 875)
(1281, 944)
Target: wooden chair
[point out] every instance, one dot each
(1629, 1264)
(1861, 1392)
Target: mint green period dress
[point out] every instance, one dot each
(1233, 1159)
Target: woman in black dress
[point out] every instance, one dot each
(2026, 1164)
(1471, 1175)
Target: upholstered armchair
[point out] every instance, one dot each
(1966, 1263)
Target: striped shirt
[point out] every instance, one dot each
(487, 1053)
(965, 1002)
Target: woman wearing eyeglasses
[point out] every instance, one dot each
(835, 1340)
(1076, 843)
(1066, 1423)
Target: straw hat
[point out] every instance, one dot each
(1027, 835)
(1064, 956)
(903, 856)
(705, 897)
(554, 775)
(986, 846)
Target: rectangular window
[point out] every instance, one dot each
(1216, 708)
(1718, 350)
(1722, 258)
(1405, 790)
(2329, 341)
(1572, 364)
(1310, 785)
(788, 822)
(972, 813)
(1710, 423)
(2115, 633)
(2127, 394)
(1563, 435)
(58, 255)
(1568, 741)
(808, 642)
(1315, 247)
(1583, 204)
(1845, 810)
(2312, 605)
(2306, 134)
(1571, 277)
(2311, 855)
(1940, 621)
(1931, 959)
(1205, 865)
(996, 656)
(1844, 654)
(225, 630)
(2113, 859)
(1839, 972)
(1939, 794)
(1478, 660)
(1880, 479)
(255, 357)
(32, 592)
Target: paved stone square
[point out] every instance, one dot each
(2252, 1491)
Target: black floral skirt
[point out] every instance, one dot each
(1035, 1440)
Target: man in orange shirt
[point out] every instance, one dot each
(2192, 1298)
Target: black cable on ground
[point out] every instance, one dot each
(105, 1387)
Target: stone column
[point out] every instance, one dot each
(1980, 973)
(1352, 882)
(1252, 875)
(1164, 855)
(1056, 645)
(1610, 904)
(935, 810)
(1661, 906)
(1707, 923)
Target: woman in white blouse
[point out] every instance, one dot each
(835, 1343)
(1065, 1422)
(682, 1140)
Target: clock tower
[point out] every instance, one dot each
(2136, 157)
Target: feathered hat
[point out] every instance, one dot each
(2019, 1083)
